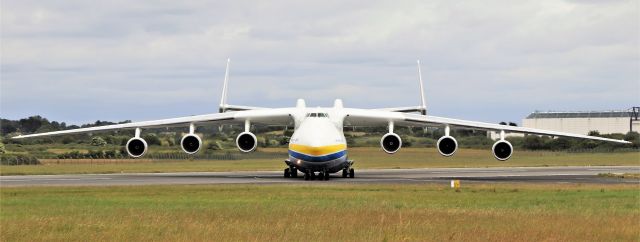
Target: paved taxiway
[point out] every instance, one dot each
(429, 175)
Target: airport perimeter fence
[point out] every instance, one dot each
(177, 157)
(149, 158)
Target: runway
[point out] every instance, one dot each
(587, 174)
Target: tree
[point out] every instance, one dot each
(2, 149)
(533, 142)
(31, 124)
(215, 145)
(634, 137)
(110, 154)
(67, 140)
(284, 140)
(98, 141)
(152, 139)
(8, 126)
(559, 144)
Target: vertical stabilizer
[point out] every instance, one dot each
(423, 103)
(225, 86)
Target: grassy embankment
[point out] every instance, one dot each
(366, 158)
(322, 212)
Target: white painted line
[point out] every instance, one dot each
(55, 179)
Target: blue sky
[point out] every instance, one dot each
(80, 61)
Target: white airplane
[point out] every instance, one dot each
(318, 143)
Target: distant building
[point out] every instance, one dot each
(607, 122)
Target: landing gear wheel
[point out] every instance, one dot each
(326, 176)
(294, 172)
(345, 173)
(313, 175)
(320, 176)
(307, 176)
(352, 173)
(287, 174)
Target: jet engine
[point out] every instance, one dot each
(502, 150)
(191, 143)
(447, 145)
(391, 143)
(136, 147)
(246, 142)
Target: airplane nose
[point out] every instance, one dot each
(316, 143)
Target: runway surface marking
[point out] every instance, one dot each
(569, 174)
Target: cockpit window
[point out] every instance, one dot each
(318, 115)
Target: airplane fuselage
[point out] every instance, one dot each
(318, 143)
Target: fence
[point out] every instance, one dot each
(149, 158)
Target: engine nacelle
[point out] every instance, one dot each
(136, 147)
(502, 150)
(246, 142)
(391, 143)
(447, 145)
(191, 143)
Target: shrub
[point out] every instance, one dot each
(95, 154)
(215, 146)
(67, 140)
(110, 154)
(152, 139)
(533, 142)
(13, 160)
(634, 137)
(98, 141)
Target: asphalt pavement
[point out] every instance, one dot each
(571, 174)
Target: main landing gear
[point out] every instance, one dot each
(291, 172)
(348, 173)
(322, 176)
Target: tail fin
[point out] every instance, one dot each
(423, 103)
(225, 86)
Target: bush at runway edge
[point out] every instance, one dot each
(13, 160)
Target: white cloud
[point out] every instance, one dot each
(485, 60)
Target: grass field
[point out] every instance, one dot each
(364, 157)
(322, 212)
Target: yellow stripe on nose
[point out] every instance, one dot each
(317, 151)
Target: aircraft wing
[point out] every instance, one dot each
(413, 109)
(363, 117)
(262, 116)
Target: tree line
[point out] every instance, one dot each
(217, 139)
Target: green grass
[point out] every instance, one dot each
(366, 158)
(322, 212)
